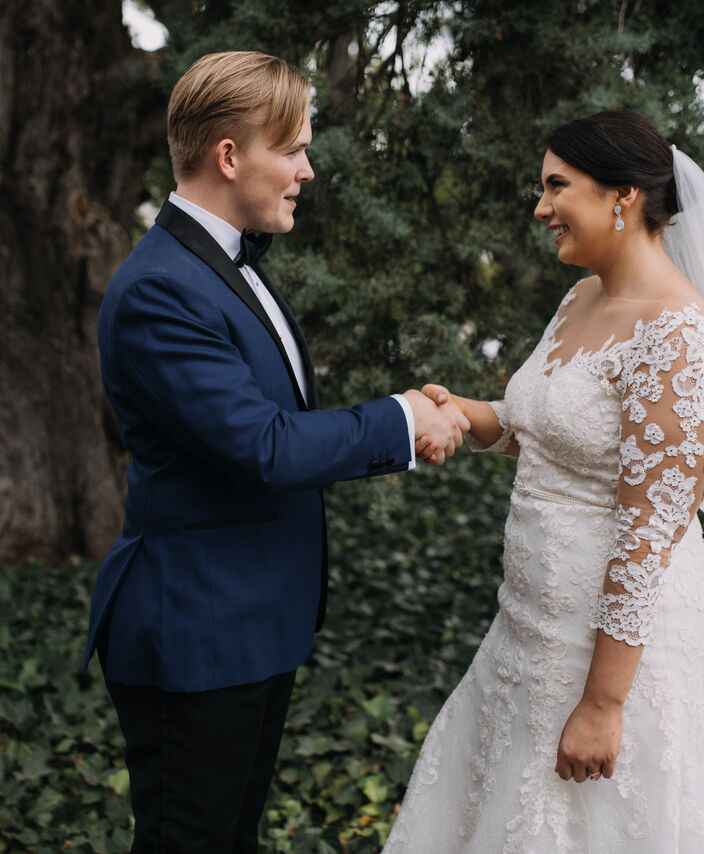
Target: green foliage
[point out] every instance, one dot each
(61, 773)
(411, 596)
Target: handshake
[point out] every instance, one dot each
(440, 423)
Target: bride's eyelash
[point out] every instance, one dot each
(551, 182)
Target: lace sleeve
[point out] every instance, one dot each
(660, 377)
(500, 445)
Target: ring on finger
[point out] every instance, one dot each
(593, 774)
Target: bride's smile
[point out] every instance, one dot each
(559, 231)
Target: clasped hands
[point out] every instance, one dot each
(440, 424)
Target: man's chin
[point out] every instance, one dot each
(288, 227)
(281, 224)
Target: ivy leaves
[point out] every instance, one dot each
(61, 772)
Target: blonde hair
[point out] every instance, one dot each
(233, 94)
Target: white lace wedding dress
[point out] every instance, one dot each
(609, 478)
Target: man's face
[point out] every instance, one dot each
(268, 181)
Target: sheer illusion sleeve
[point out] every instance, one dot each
(660, 378)
(501, 444)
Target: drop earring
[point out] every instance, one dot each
(620, 224)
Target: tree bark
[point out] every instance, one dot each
(342, 74)
(81, 114)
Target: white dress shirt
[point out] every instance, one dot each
(229, 239)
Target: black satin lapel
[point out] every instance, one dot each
(196, 239)
(298, 335)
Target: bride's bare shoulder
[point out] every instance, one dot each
(589, 283)
(583, 292)
(679, 293)
(588, 288)
(582, 288)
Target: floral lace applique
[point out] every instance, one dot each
(659, 374)
(637, 461)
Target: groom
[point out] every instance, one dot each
(208, 600)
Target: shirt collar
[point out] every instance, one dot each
(225, 234)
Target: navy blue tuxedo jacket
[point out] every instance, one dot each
(219, 576)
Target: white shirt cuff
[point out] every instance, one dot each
(411, 423)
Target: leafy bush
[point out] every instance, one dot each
(415, 562)
(63, 782)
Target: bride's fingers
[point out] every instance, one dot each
(437, 393)
(579, 772)
(608, 768)
(595, 770)
(563, 768)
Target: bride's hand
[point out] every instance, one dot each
(590, 742)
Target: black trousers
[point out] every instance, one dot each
(200, 764)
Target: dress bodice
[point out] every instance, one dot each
(567, 420)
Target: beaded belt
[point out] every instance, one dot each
(558, 497)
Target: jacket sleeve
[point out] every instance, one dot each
(172, 347)
(661, 477)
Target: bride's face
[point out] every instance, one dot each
(578, 212)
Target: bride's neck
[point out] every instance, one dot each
(638, 271)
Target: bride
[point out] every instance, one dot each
(593, 669)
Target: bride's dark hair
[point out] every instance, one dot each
(621, 148)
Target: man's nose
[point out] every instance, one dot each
(306, 173)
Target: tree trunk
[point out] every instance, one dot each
(342, 75)
(81, 115)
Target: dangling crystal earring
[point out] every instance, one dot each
(620, 224)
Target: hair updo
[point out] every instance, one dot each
(621, 148)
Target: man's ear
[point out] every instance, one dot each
(627, 196)
(226, 158)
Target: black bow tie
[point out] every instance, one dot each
(253, 247)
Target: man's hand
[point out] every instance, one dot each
(437, 393)
(439, 429)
